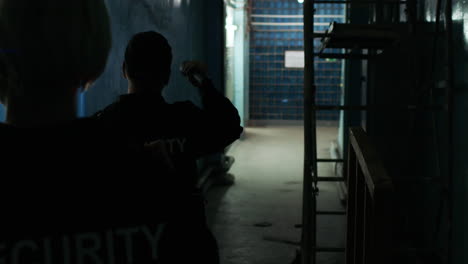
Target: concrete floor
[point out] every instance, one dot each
(268, 193)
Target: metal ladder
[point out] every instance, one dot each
(309, 246)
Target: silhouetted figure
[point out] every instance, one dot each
(143, 117)
(67, 186)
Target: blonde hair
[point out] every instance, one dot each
(64, 42)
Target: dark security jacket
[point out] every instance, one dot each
(186, 131)
(78, 168)
(75, 188)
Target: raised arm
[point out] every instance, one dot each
(217, 124)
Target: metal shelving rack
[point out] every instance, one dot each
(309, 246)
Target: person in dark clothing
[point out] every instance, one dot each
(186, 131)
(69, 188)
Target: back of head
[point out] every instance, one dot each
(148, 60)
(51, 44)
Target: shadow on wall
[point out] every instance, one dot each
(182, 22)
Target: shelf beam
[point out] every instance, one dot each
(360, 2)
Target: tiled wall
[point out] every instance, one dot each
(2, 113)
(276, 92)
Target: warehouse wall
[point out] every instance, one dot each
(460, 180)
(459, 246)
(241, 64)
(414, 145)
(193, 28)
(276, 92)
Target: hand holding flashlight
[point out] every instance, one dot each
(195, 71)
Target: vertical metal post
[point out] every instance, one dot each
(310, 151)
(351, 204)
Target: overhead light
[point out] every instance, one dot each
(177, 3)
(300, 1)
(230, 35)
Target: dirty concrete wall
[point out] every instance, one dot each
(460, 127)
(414, 145)
(193, 28)
(458, 247)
